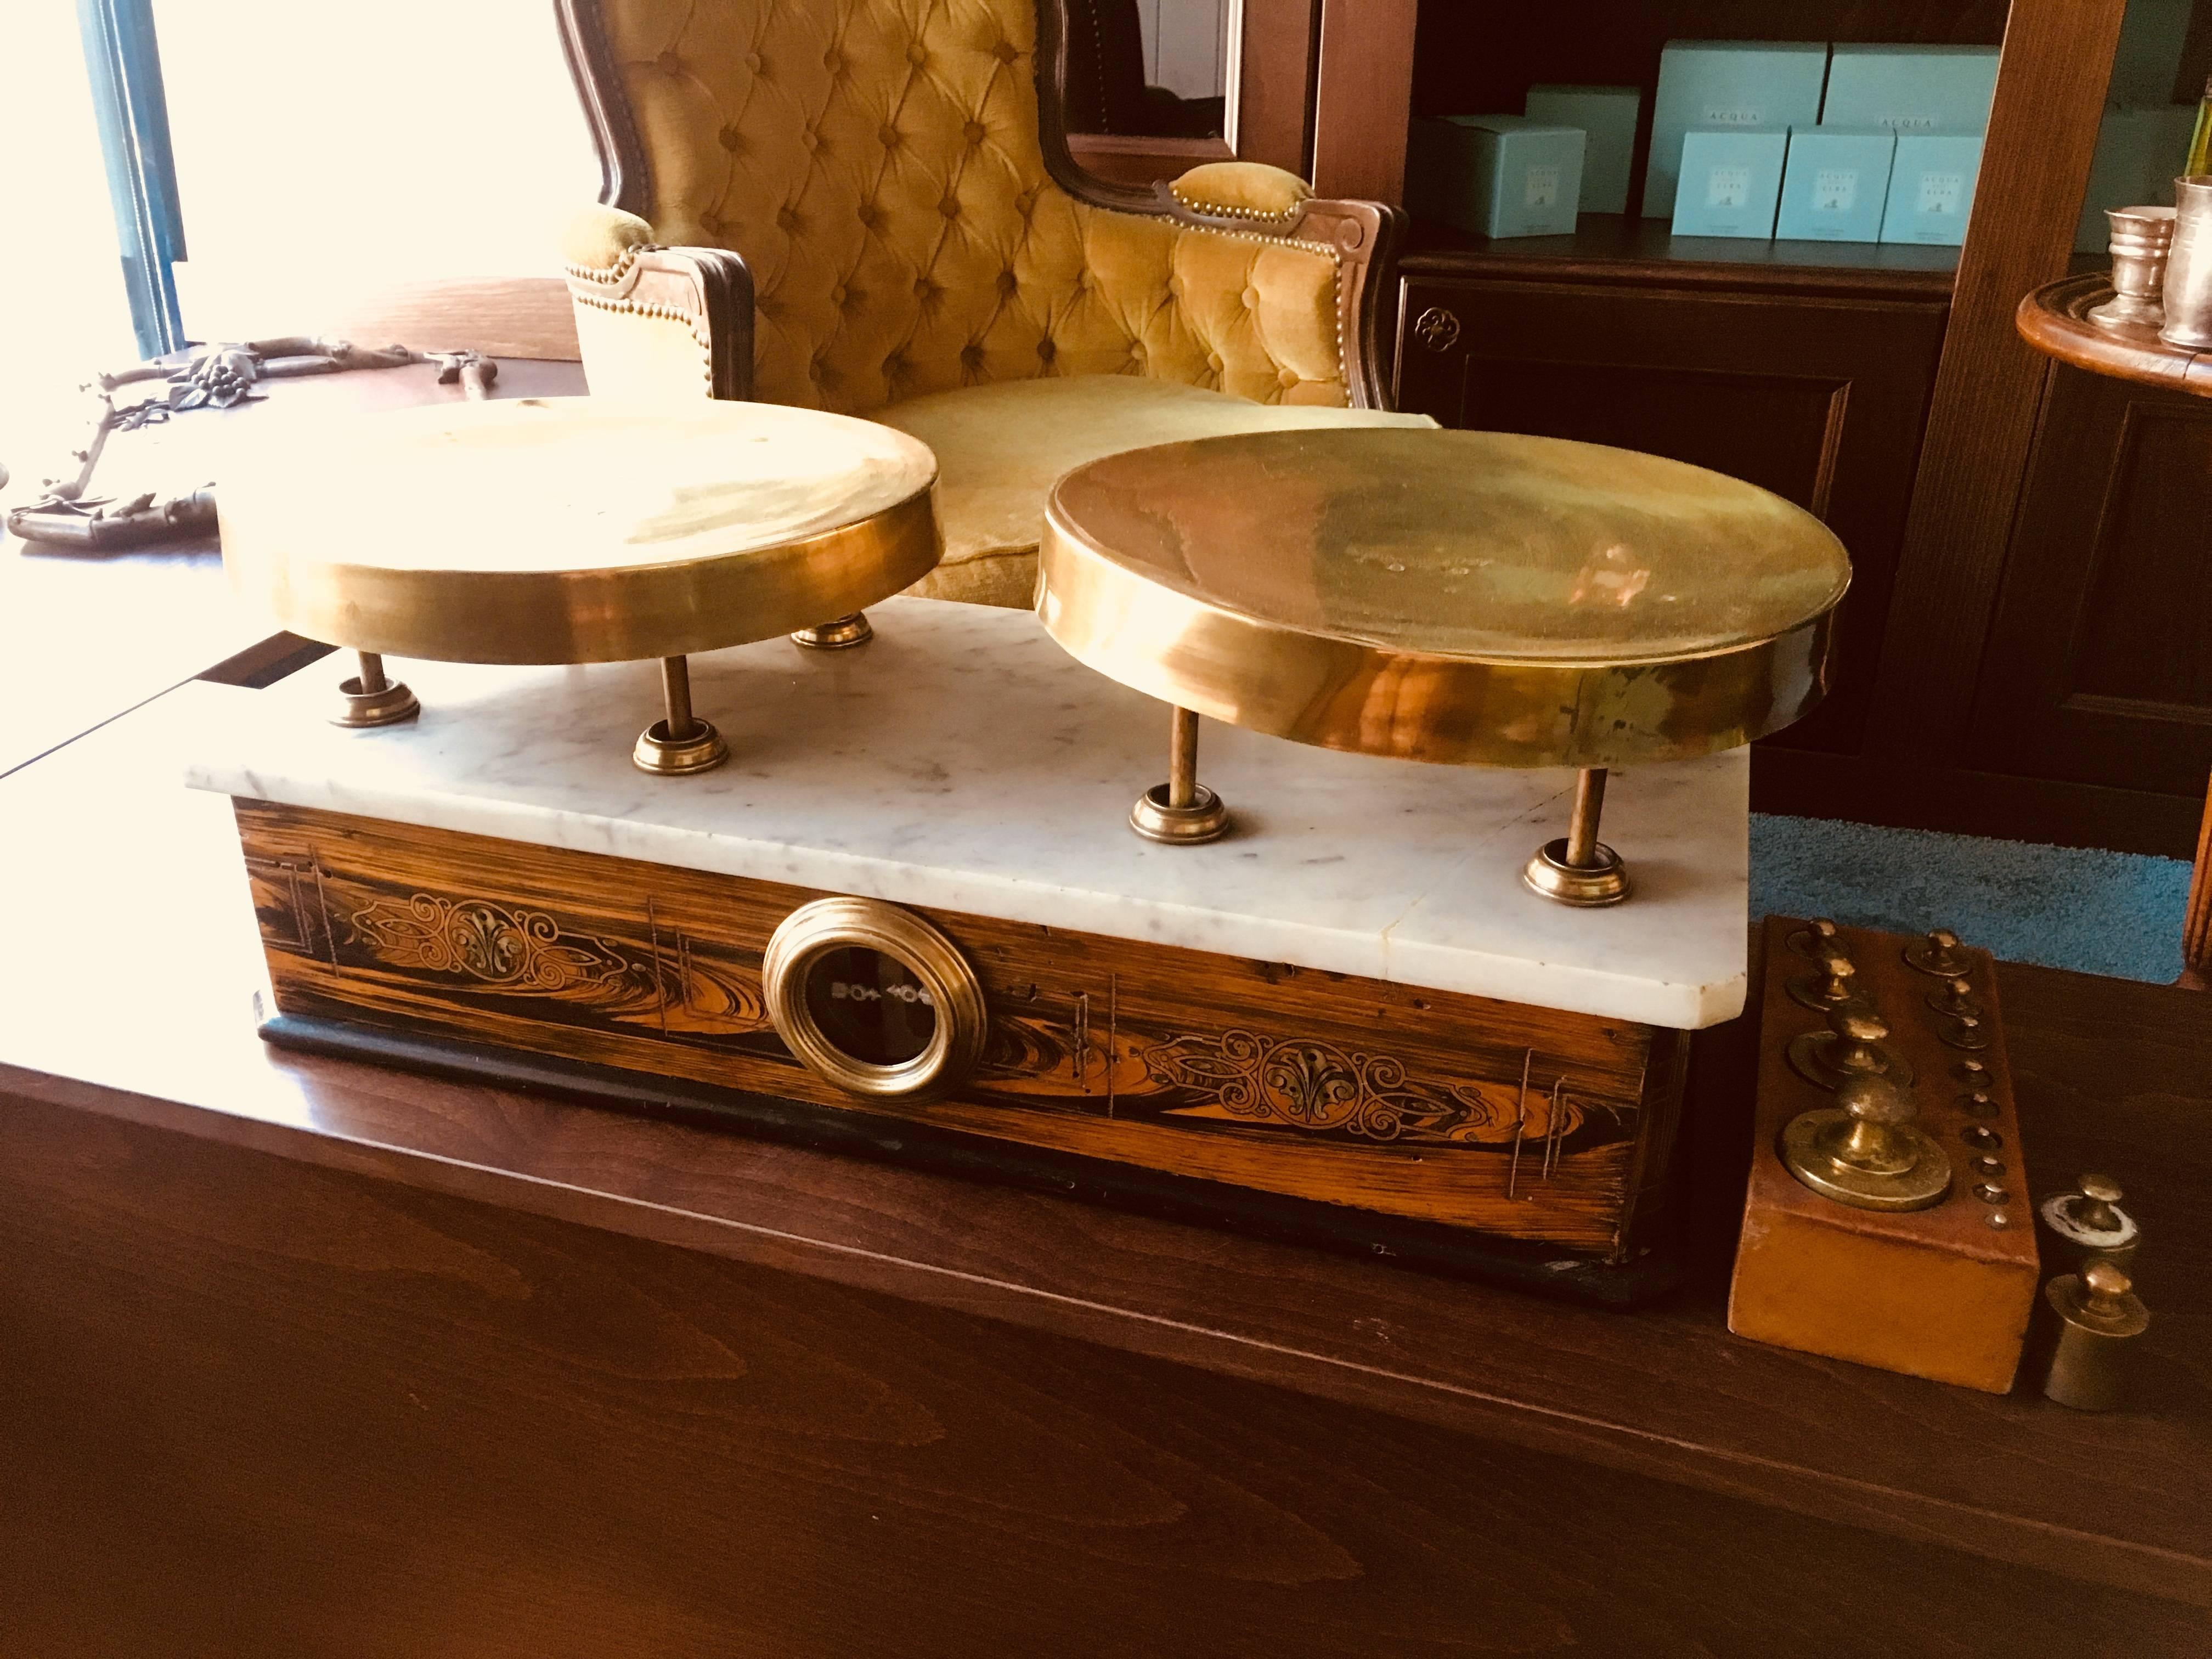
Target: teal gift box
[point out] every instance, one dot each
(1931, 188)
(1730, 183)
(1606, 116)
(1910, 88)
(1759, 85)
(1835, 184)
(1496, 175)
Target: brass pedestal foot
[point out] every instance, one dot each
(1579, 869)
(1182, 811)
(682, 742)
(838, 635)
(370, 699)
(1204, 818)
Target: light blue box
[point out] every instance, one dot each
(1730, 183)
(1835, 184)
(1606, 116)
(1910, 88)
(1496, 175)
(1931, 188)
(1762, 85)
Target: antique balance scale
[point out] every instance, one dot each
(893, 902)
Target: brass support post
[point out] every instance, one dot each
(682, 742)
(1580, 869)
(1182, 760)
(676, 687)
(371, 697)
(1582, 827)
(1181, 811)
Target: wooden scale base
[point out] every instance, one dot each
(1424, 1120)
(1339, 1108)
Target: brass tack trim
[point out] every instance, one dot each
(697, 325)
(617, 272)
(1221, 210)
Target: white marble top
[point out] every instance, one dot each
(964, 761)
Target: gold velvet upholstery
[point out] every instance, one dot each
(877, 164)
(878, 167)
(1000, 448)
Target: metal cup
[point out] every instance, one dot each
(2189, 267)
(2142, 238)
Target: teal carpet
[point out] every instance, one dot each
(2118, 913)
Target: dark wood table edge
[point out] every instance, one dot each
(1909, 1517)
(2053, 319)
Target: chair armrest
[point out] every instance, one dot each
(1248, 190)
(1255, 200)
(649, 318)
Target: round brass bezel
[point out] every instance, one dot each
(823, 925)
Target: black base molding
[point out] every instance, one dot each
(1422, 1244)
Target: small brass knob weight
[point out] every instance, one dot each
(1939, 954)
(1832, 986)
(1957, 999)
(2088, 1223)
(1814, 937)
(2094, 1317)
(1855, 1045)
(1865, 1152)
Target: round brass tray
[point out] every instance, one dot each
(560, 530)
(1477, 598)
(575, 529)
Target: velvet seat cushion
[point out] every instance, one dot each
(1001, 448)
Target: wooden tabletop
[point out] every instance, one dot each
(129, 988)
(2054, 320)
(303, 1356)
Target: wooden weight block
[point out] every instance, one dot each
(1944, 1291)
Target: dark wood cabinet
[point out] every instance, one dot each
(2026, 651)
(1819, 395)
(2099, 663)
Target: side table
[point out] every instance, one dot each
(2054, 319)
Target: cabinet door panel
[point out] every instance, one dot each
(1821, 400)
(1779, 432)
(2099, 667)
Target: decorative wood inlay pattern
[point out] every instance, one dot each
(1318, 1086)
(1518, 1121)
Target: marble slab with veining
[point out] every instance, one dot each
(962, 761)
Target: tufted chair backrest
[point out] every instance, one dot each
(877, 164)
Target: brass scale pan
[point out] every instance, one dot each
(1461, 597)
(1478, 597)
(571, 529)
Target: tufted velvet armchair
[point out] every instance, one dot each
(869, 206)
